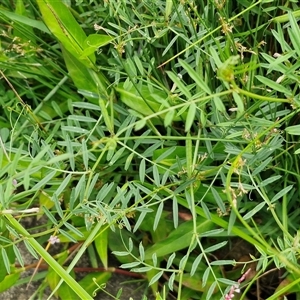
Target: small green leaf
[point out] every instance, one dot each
(255, 210)
(215, 247)
(195, 76)
(130, 265)
(281, 193)
(9, 281)
(158, 215)
(274, 85)
(196, 263)
(170, 260)
(142, 170)
(190, 116)
(142, 251)
(156, 278)
(293, 130)
(5, 260)
(142, 269)
(171, 281)
(93, 42)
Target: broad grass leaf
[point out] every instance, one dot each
(64, 26)
(66, 292)
(9, 281)
(195, 282)
(25, 20)
(294, 33)
(179, 238)
(101, 245)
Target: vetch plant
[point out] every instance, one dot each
(165, 135)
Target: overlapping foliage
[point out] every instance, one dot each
(160, 131)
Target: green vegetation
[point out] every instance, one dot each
(164, 132)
